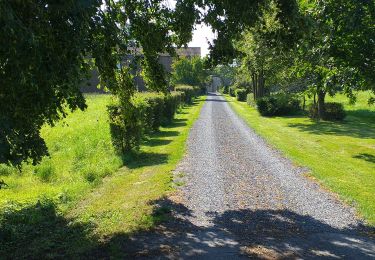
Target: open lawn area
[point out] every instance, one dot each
(73, 202)
(340, 155)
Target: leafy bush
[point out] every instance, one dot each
(333, 111)
(224, 90)
(250, 100)
(277, 105)
(145, 114)
(232, 91)
(171, 104)
(189, 92)
(126, 125)
(241, 94)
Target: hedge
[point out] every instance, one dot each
(232, 91)
(333, 111)
(224, 90)
(145, 114)
(189, 91)
(278, 105)
(241, 94)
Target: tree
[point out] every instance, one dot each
(323, 54)
(229, 18)
(189, 71)
(48, 46)
(226, 73)
(261, 52)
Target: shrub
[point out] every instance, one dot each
(224, 90)
(277, 105)
(145, 114)
(189, 92)
(171, 104)
(126, 125)
(333, 111)
(153, 111)
(232, 91)
(241, 94)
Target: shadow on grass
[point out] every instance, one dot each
(135, 160)
(39, 232)
(365, 156)
(359, 125)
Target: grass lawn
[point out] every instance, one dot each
(340, 155)
(81, 155)
(84, 198)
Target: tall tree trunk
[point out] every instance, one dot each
(254, 85)
(261, 85)
(321, 109)
(304, 103)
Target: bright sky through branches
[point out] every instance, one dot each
(202, 34)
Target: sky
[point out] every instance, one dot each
(201, 35)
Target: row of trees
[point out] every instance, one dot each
(47, 48)
(334, 53)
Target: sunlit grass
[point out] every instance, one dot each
(59, 210)
(341, 155)
(81, 155)
(124, 203)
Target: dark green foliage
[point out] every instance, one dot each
(241, 94)
(49, 47)
(172, 103)
(277, 105)
(145, 114)
(126, 126)
(333, 111)
(224, 89)
(232, 90)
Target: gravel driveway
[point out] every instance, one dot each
(242, 199)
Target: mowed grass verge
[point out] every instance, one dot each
(340, 155)
(93, 199)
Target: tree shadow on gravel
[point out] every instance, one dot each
(264, 234)
(40, 232)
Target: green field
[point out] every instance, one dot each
(84, 194)
(340, 155)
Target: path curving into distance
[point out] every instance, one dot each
(241, 198)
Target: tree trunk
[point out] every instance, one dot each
(321, 109)
(304, 103)
(254, 85)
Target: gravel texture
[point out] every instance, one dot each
(241, 198)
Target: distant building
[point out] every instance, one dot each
(165, 59)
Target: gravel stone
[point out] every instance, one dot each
(237, 183)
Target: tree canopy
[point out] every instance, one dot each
(189, 71)
(49, 46)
